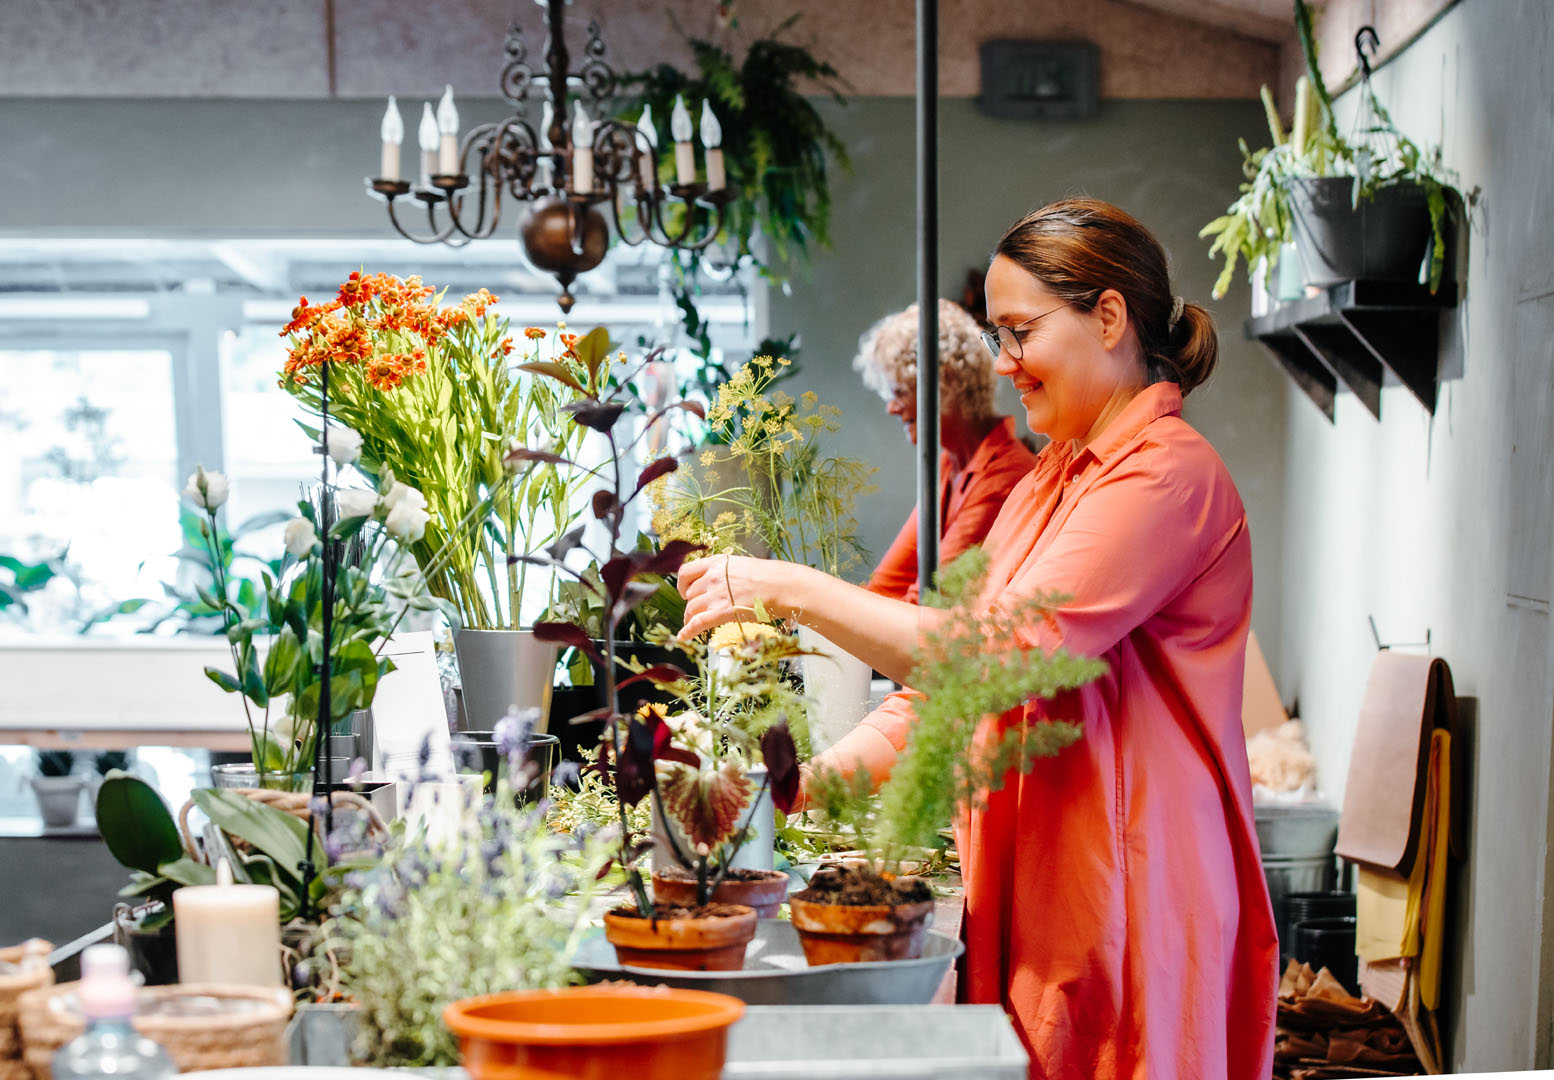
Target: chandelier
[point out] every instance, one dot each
(563, 172)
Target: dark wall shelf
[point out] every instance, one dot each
(1353, 333)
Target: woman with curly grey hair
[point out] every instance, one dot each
(980, 458)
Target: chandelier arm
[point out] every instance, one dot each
(437, 236)
(678, 238)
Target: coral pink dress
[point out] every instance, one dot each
(1115, 904)
(971, 504)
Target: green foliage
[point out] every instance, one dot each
(775, 147)
(25, 578)
(970, 672)
(787, 496)
(1258, 222)
(501, 905)
(136, 824)
(55, 762)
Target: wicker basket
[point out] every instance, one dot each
(12, 986)
(248, 1031)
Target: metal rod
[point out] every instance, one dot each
(927, 292)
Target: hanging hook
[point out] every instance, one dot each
(1366, 33)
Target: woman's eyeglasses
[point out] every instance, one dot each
(1007, 338)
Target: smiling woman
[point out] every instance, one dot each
(1115, 903)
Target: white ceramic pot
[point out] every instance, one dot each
(836, 690)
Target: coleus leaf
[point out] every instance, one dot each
(658, 674)
(603, 502)
(523, 453)
(648, 739)
(560, 372)
(656, 468)
(706, 803)
(782, 765)
(597, 415)
(564, 546)
(565, 633)
(667, 559)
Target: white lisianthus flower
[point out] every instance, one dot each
(283, 726)
(345, 446)
(207, 490)
(299, 537)
(355, 503)
(403, 495)
(407, 520)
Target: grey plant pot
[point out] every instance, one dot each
(59, 799)
(1385, 238)
(502, 669)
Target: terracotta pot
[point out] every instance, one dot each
(715, 942)
(594, 1032)
(765, 895)
(851, 933)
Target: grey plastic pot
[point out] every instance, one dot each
(1384, 238)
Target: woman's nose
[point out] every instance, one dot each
(1004, 364)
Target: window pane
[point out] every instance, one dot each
(88, 478)
(268, 457)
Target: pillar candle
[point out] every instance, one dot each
(647, 163)
(684, 151)
(582, 152)
(712, 139)
(228, 934)
(426, 137)
(448, 128)
(392, 131)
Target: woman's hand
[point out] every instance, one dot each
(725, 588)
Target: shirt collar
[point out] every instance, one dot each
(1148, 405)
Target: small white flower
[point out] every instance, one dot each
(407, 520)
(299, 536)
(345, 446)
(355, 503)
(403, 495)
(207, 490)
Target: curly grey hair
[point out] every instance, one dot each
(887, 359)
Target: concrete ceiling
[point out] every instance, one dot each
(1265, 20)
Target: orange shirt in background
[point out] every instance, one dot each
(971, 503)
(1115, 903)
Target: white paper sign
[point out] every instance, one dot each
(408, 711)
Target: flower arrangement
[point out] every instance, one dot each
(277, 643)
(794, 501)
(434, 390)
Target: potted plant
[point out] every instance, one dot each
(499, 904)
(775, 146)
(713, 935)
(436, 397)
(58, 791)
(968, 672)
(1380, 208)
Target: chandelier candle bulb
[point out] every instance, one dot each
(448, 128)
(228, 934)
(393, 133)
(582, 152)
(684, 152)
(712, 139)
(647, 164)
(426, 135)
(544, 168)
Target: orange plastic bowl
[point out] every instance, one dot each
(594, 1033)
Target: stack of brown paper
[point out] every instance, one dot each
(1324, 1033)
(1398, 825)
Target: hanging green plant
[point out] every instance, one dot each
(777, 152)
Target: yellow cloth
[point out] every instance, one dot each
(1434, 929)
(1394, 914)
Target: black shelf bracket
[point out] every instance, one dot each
(1352, 334)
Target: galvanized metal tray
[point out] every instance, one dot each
(901, 1042)
(776, 972)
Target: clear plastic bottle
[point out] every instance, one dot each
(110, 1046)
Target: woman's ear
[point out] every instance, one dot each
(1111, 316)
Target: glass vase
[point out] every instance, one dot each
(244, 775)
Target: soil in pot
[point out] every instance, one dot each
(711, 938)
(762, 890)
(856, 914)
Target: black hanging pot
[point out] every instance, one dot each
(1384, 238)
